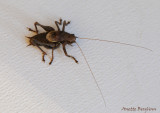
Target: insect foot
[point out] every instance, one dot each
(76, 61)
(43, 55)
(29, 29)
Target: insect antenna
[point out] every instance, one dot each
(92, 75)
(119, 43)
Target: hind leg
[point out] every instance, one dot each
(46, 28)
(29, 29)
(43, 53)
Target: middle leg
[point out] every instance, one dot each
(52, 57)
(43, 53)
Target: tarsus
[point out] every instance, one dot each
(118, 43)
(92, 75)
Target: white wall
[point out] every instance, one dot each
(128, 76)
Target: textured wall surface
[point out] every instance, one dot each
(128, 76)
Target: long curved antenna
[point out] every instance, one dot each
(119, 43)
(92, 75)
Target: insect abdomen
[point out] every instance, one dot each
(41, 40)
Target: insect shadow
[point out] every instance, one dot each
(52, 39)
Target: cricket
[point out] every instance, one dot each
(52, 39)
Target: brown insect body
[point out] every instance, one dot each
(60, 36)
(39, 40)
(52, 39)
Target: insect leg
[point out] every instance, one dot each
(60, 22)
(65, 24)
(29, 29)
(43, 53)
(52, 57)
(64, 49)
(46, 28)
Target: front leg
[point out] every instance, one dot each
(64, 49)
(65, 24)
(60, 22)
